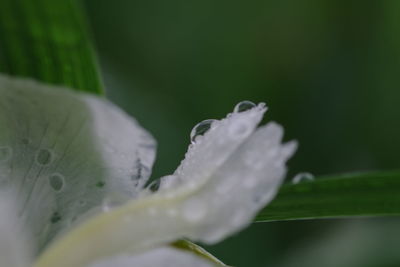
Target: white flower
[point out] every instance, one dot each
(72, 173)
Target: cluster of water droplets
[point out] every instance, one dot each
(230, 185)
(46, 160)
(195, 210)
(44, 157)
(220, 158)
(201, 128)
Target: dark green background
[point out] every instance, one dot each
(328, 70)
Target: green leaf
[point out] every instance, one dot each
(366, 194)
(47, 40)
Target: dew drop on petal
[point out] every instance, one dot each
(244, 106)
(56, 181)
(154, 186)
(55, 218)
(200, 129)
(302, 177)
(5, 153)
(43, 157)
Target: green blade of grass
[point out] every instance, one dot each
(47, 40)
(368, 194)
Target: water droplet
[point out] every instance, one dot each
(5, 153)
(56, 217)
(244, 106)
(56, 181)
(302, 176)
(194, 210)
(154, 186)
(44, 157)
(200, 129)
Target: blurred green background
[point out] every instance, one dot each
(328, 70)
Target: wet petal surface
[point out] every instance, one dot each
(64, 152)
(227, 176)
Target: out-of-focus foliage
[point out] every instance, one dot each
(46, 40)
(365, 194)
(327, 69)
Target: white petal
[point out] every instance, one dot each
(64, 152)
(14, 242)
(158, 257)
(217, 191)
(210, 151)
(243, 185)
